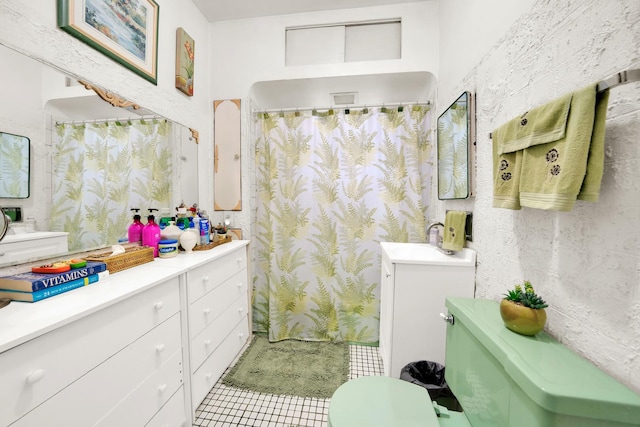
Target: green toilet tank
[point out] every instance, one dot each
(503, 379)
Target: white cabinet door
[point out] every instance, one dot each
(386, 313)
(412, 298)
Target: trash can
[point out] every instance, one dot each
(430, 375)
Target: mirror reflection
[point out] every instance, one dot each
(14, 166)
(91, 162)
(455, 142)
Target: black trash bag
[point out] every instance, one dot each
(430, 375)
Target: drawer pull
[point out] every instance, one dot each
(241, 335)
(162, 388)
(207, 343)
(206, 311)
(239, 260)
(240, 285)
(158, 306)
(35, 376)
(205, 279)
(1, 253)
(240, 310)
(208, 375)
(160, 348)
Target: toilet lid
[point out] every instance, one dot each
(381, 402)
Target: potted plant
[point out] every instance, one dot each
(522, 310)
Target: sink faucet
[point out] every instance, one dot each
(439, 240)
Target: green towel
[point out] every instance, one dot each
(454, 225)
(553, 154)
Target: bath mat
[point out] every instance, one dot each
(294, 368)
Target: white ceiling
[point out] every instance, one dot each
(227, 10)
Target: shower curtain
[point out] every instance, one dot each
(330, 187)
(101, 171)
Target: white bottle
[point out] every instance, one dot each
(188, 240)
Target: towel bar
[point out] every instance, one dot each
(620, 78)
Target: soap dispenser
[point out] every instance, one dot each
(135, 229)
(151, 233)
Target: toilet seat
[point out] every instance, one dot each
(381, 402)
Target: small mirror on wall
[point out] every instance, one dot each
(456, 139)
(14, 166)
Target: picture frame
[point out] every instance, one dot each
(127, 32)
(455, 151)
(185, 59)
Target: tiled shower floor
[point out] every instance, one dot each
(229, 407)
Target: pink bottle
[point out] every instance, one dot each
(151, 234)
(135, 229)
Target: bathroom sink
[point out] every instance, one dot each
(424, 253)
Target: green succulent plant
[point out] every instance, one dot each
(526, 297)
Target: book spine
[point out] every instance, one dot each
(65, 287)
(66, 277)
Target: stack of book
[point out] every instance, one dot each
(32, 287)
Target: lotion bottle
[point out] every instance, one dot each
(135, 229)
(151, 233)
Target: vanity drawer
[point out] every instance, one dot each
(153, 362)
(45, 365)
(148, 398)
(210, 338)
(212, 369)
(204, 279)
(172, 413)
(210, 306)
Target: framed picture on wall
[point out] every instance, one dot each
(185, 55)
(125, 31)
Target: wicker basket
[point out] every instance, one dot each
(133, 256)
(212, 244)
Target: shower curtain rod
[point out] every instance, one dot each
(342, 107)
(115, 119)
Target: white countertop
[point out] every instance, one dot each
(424, 253)
(21, 321)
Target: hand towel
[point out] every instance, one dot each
(454, 225)
(562, 153)
(541, 125)
(553, 174)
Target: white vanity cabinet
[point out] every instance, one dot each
(415, 279)
(142, 347)
(93, 371)
(218, 319)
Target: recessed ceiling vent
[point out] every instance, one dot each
(344, 98)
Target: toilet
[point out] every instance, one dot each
(500, 378)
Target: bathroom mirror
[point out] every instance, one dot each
(14, 166)
(36, 99)
(456, 139)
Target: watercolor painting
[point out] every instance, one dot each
(124, 30)
(185, 55)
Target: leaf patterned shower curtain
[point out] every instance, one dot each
(101, 171)
(330, 188)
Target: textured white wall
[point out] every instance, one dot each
(586, 263)
(472, 28)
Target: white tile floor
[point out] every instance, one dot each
(229, 407)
